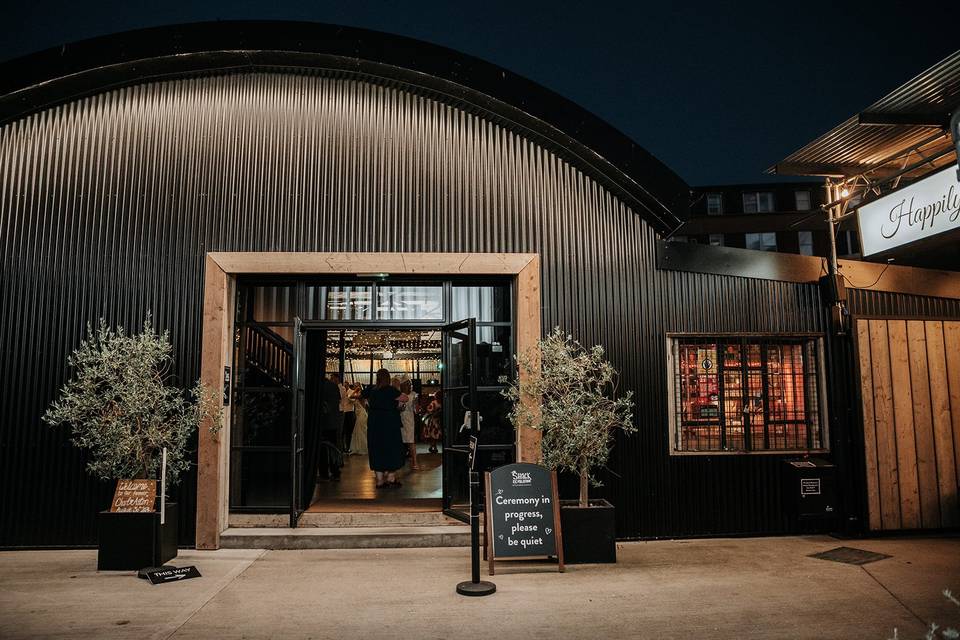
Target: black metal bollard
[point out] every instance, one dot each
(475, 587)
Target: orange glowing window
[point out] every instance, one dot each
(741, 394)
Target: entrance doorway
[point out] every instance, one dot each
(337, 473)
(287, 455)
(244, 464)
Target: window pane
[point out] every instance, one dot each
(786, 397)
(716, 239)
(803, 200)
(493, 355)
(409, 302)
(765, 202)
(749, 203)
(266, 354)
(486, 304)
(805, 241)
(762, 395)
(769, 241)
(714, 204)
(753, 241)
(271, 304)
(698, 413)
(733, 404)
(340, 302)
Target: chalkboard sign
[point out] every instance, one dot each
(134, 496)
(522, 513)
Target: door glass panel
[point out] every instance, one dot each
(456, 481)
(493, 355)
(485, 303)
(266, 356)
(495, 428)
(265, 419)
(409, 302)
(455, 368)
(458, 431)
(260, 479)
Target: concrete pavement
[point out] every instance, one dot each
(718, 588)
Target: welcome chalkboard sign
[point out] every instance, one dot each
(522, 513)
(134, 496)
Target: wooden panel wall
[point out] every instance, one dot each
(910, 387)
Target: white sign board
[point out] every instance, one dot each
(923, 209)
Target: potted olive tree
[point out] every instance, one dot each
(124, 411)
(569, 393)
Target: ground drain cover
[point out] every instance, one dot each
(849, 555)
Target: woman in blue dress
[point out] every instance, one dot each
(384, 442)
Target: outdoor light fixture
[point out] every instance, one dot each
(844, 193)
(373, 275)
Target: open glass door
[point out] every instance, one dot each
(459, 398)
(297, 440)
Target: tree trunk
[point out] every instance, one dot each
(146, 466)
(584, 486)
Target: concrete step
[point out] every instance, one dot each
(343, 519)
(346, 537)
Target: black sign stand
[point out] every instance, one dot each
(476, 586)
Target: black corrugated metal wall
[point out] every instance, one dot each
(108, 204)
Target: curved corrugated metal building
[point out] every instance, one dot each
(126, 160)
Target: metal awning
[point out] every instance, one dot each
(907, 126)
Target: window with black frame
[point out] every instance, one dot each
(742, 394)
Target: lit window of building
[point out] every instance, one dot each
(714, 204)
(740, 394)
(805, 241)
(757, 202)
(802, 199)
(766, 241)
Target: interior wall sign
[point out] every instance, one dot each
(923, 209)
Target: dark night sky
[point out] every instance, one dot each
(718, 92)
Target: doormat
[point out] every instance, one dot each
(849, 555)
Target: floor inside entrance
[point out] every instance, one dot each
(356, 489)
(356, 355)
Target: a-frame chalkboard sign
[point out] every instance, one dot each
(522, 517)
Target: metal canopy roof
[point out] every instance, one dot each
(910, 117)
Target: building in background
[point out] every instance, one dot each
(784, 217)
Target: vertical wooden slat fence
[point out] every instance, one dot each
(910, 393)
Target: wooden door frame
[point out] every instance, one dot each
(219, 297)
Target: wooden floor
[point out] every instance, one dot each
(356, 490)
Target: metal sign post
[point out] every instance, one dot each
(475, 587)
(163, 488)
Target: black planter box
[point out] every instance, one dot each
(132, 541)
(589, 533)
